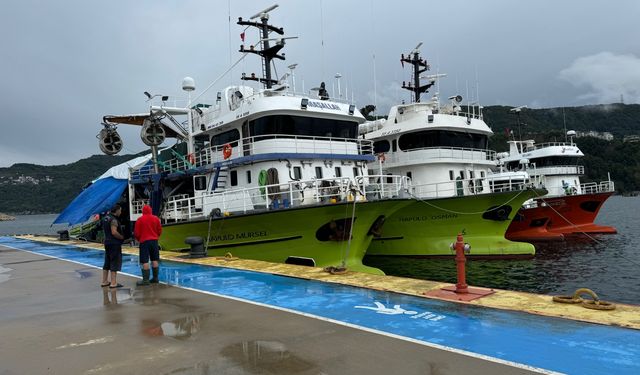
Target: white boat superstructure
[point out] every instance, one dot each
(553, 165)
(442, 148)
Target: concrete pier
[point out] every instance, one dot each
(55, 319)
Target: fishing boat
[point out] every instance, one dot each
(443, 150)
(570, 207)
(261, 173)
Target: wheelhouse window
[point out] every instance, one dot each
(442, 138)
(287, 125)
(338, 172)
(297, 173)
(318, 172)
(232, 136)
(234, 178)
(381, 146)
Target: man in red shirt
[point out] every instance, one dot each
(147, 231)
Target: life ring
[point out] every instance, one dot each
(191, 159)
(226, 151)
(381, 157)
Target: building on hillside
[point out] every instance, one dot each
(594, 134)
(633, 138)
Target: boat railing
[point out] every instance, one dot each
(293, 194)
(424, 153)
(597, 187)
(272, 143)
(470, 186)
(557, 170)
(538, 146)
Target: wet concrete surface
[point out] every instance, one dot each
(56, 319)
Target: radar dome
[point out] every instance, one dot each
(188, 84)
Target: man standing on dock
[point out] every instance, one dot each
(112, 247)
(147, 231)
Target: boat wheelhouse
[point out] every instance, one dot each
(444, 151)
(570, 207)
(263, 173)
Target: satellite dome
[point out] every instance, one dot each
(188, 84)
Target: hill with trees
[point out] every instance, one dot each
(31, 188)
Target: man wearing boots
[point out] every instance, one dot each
(147, 231)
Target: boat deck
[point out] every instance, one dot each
(520, 330)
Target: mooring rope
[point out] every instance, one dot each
(466, 213)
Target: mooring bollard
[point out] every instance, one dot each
(197, 247)
(63, 235)
(461, 248)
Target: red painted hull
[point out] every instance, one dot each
(557, 217)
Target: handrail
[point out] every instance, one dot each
(537, 146)
(489, 154)
(252, 145)
(287, 195)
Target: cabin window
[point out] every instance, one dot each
(248, 177)
(318, 172)
(297, 173)
(389, 179)
(355, 171)
(200, 183)
(471, 174)
(409, 175)
(232, 136)
(394, 145)
(442, 138)
(380, 146)
(234, 178)
(338, 172)
(451, 177)
(462, 175)
(481, 174)
(287, 125)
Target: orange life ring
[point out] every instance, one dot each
(226, 151)
(191, 159)
(381, 157)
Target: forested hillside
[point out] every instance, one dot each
(30, 188)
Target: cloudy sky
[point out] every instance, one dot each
(66, 63)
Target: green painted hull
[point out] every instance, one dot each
(275, 236)
(427, 228)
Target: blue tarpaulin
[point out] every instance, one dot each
(97, 198)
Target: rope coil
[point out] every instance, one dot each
(595, 303)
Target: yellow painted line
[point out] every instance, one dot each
(624, 315)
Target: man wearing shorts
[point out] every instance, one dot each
(112, 248)
(147, 231)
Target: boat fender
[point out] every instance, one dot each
(191, 159)
(227, 150)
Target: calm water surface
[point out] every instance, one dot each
(611, 266)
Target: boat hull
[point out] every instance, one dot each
(558, 217)
(279, 235)
(427, 228)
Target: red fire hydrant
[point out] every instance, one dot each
(461, 248)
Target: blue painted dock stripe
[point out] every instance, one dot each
(514, 338)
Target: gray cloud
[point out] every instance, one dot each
(605, 76)
(65, 64)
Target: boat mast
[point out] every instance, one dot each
(268, 52)
(419, 66)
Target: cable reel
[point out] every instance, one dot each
(110, 142)
(152, 132)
